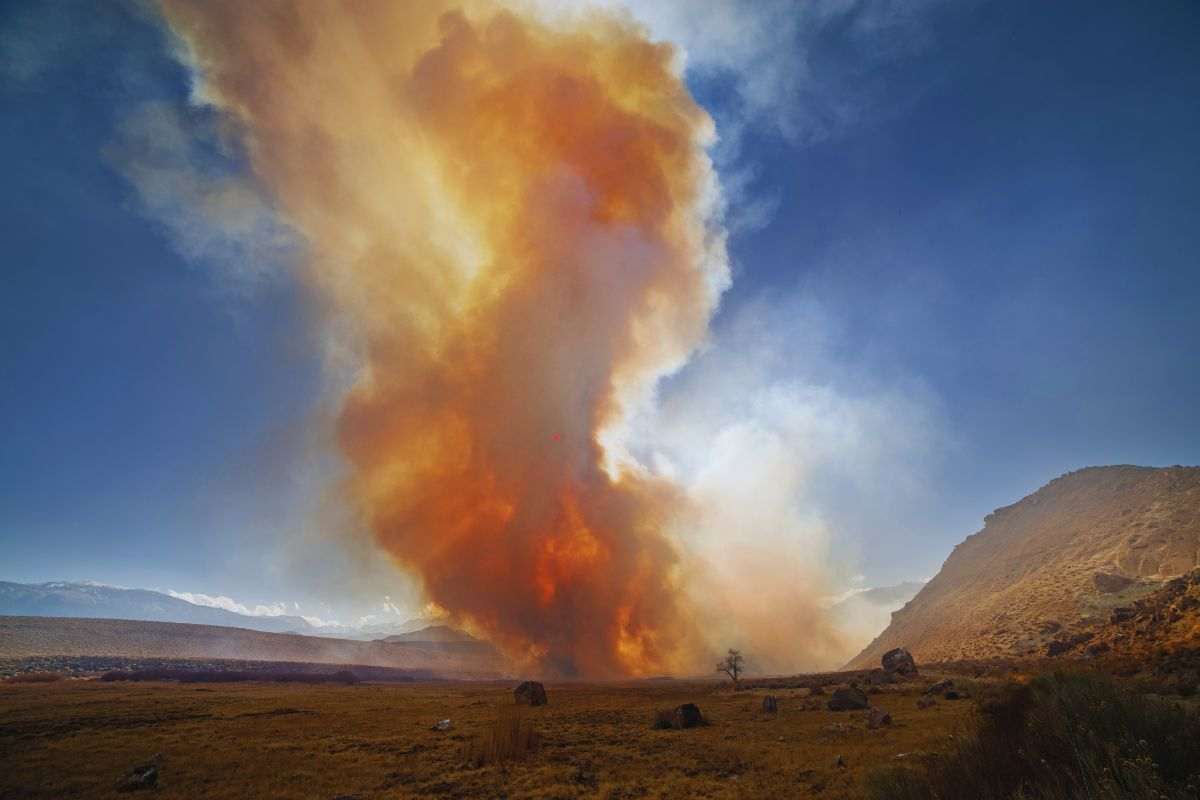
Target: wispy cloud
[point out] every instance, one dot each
(800, 71)
(802, 68)
(188, 179)
(188, 176)
(229, 604)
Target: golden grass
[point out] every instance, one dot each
(76, 738)
(511, 737)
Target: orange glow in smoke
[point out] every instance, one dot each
(510, 216)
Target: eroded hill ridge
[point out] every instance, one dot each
(1053, 566)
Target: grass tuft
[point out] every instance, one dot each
(510, 737)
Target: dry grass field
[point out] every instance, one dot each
(76, 738)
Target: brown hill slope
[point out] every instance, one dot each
(23, 637)
(1053, 565)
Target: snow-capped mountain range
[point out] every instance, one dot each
(96, 600)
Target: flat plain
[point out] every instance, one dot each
(77, 738)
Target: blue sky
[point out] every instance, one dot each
(983, 219)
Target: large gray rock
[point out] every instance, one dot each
(848, 699)
(878, 717)
(899, 662)
(685, 716)
(530, 693)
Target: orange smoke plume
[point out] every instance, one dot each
(513, 216)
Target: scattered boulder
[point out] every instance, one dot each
(1109, 583)
(848, 699)
(685, 716)
(770, 704)
(839, 762)
(940, 686)
(878, 717)
(899, 661)
(878, 677)
(442, 725)
(1060, 646)
(925, 701)
(954, 694)
(688, 716)
(816, 689)
(530, 693)
(143, 776)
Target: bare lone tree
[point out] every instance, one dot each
(731, 665)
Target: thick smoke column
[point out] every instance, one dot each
(513, 216)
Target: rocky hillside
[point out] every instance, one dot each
(1053, 566)
(1161, 627)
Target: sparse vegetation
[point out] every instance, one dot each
(1063, 736)
(1041, 741)
(732, 665)
(76, 738)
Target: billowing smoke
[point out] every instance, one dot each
(514, 219)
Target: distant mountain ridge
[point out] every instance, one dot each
(98, 601)
(861, 616)
(46, 637)
(432, 633)
(1053, 566)
(898, 595)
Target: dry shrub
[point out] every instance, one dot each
(35, 677)
(511, 737)
(1062, 737)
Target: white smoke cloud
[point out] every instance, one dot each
(774, 432)
(802, 68)
(188, 180)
